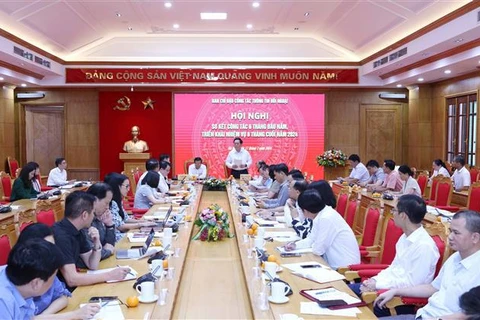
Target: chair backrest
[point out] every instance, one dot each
(422, 180)
(136, 175)
(6, 185)
(433, 187)
(46, 217)
(473, 174)
(390, 236)
(49, 211)
(187, 164)
(473, 202)
(8, 237)
(444, 192)
(342, 201)
(26, 218)
(372, 225)
(12, 167)
(439, 233)
(353, 206)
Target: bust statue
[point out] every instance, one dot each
(135, 145)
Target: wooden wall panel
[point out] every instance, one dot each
(7, 125)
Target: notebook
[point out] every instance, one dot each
(136, 253)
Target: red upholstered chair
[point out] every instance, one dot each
(342, 201)
(26, 218)
(352, 209)
(42, 187)
(4, 249)
(6, 186)
(384, 253)
(187, 164)
(473, 202)
(422, 181)
(371, 229)
(8, 237)
(46, 216)
(12, 167)
(473, 174)
(433, 189)
(439, 233)
(444, 195)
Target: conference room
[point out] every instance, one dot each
(201, 92)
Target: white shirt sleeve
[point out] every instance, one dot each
(57, 177)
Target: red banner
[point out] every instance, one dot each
(177, 75)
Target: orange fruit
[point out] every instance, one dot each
(165, 264)
(255, 232)
(250, 232)
(132, 301)
(272, 258)
(157, 243)
(188, 218)
(254, 226)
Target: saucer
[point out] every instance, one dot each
(281, 300)
(152, 299)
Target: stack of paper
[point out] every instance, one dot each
(321, 274)
(141, 237)
(439, 212)
(268, 223)
(282, 236)
(132, 275)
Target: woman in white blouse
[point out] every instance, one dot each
(439, 167)
(410, 185)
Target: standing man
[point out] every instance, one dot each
(239, 159)
(461, 177)
(135, 145)
(197, 168)
(359, 172)
(58, 175)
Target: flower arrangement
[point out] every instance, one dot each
(216, 184)
(332, 158)
(214, 224)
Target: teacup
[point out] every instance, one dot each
(271, 268)
(146, 290)
(279, 290)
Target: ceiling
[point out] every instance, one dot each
(295, 31)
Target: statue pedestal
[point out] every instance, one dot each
(133, 162)
(332, 173)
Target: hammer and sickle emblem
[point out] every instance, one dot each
(123, 104)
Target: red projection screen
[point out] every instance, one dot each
(274, 127)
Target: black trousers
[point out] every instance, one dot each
(236, 173)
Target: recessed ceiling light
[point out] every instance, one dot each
(256, 4)
(306, 14)
(420, 79)
(458, 40)
(296, 28)
(176, 26)
(399, 85)
(249, 26)
(130, 28)
(23, 84)
(213, 15)
(118, 14)
(167, 4)
(447, 71)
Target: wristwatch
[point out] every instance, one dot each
(110, 227)
(97, 249)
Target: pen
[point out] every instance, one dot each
(129, 272)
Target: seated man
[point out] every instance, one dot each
(331, 237)
(264, 182)
(359, 172)
(151, 165)
(197, 168)
(281, 172)
(58, 175)
(293, 214)
(377, 176)
(461, 176)
(30, 271)
(79, 213)
(392, 182)
(416, 253)
(458, 274)
(164, 170)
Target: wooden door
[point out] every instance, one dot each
(381, 132)
(44, 133)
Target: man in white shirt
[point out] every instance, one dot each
(197, 168)
(416, 253)
(164, 171)
(359, 172)
(58, 175)
(458, 274)
(331, 237)
(461, 177)
(151, 164)
(238, 159)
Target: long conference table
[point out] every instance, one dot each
(212, 280)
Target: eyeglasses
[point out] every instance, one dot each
(394, 211)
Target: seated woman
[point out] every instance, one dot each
(35, 183)
(410, 185)
(56, 298)
(439, 167)
(146, 194)
(123, 223)
(262, 183)
(22, 187)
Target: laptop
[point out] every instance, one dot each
(160, 224)
(137, 252)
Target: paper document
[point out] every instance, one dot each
(282, 236)
(132, 275)
(238, 162)
(320, 275)
(111, 311)
(314, 308)
(304, 250)
(439, 212)
(332, 294)
(141, 237)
